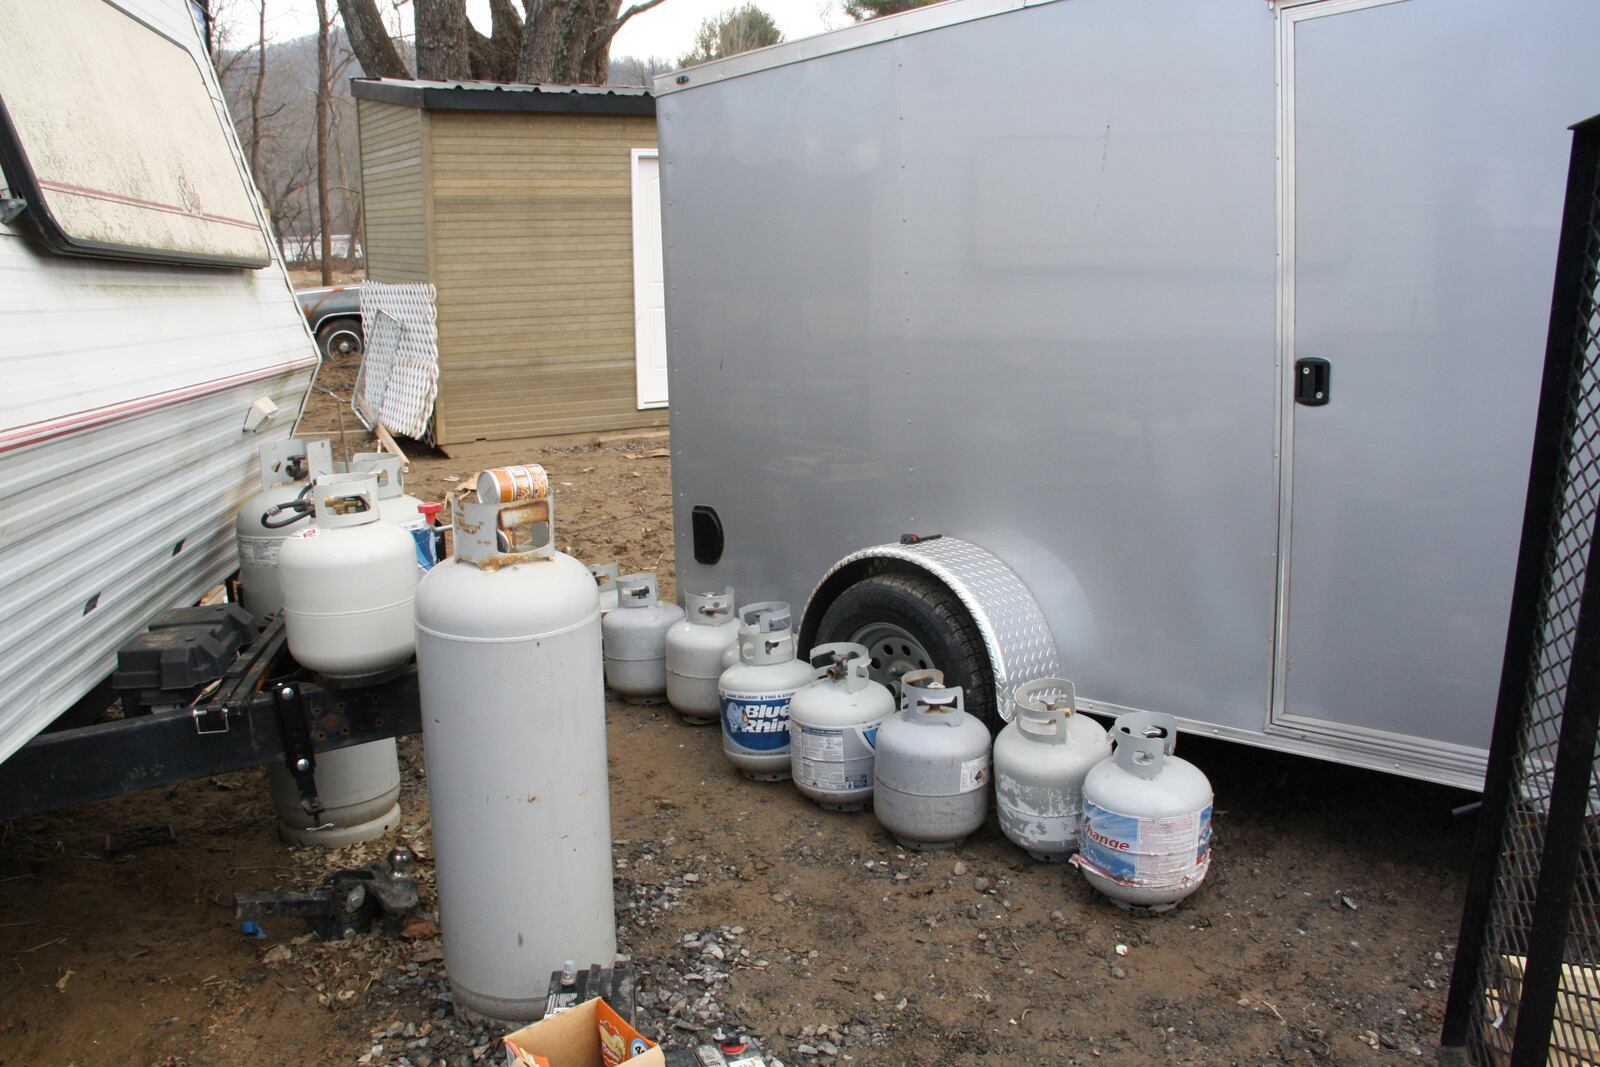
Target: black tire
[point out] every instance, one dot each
(930, 613)
(340, 339)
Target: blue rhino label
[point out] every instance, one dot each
(757, 722)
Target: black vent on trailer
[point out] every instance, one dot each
(1527, 973)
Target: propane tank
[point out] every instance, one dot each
(348, 583)
(695, 648)
(398, 506)
(513, 706)
(605, 580)
(287, 467)
(360, 791)
(635, 640)
(931, 774)
(833, 726)
(1040, 760)
(755, 693)
(1146, 836)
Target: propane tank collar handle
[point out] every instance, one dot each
(925, 698)
(844, 661)
(1043, 707)
(477, 528)
(636, 590)
(1144, 740)
(766, 616)
(710, 609)
(330, 489)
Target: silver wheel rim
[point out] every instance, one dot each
(344, 343)
(894, 651)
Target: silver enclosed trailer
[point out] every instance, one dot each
(1207, 334)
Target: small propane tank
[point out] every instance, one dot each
(605, 579)
(755, 693)
(509, 669)
(1146, 836)
(348, 584)
(360, 791)
(931, 773)
(833, 726)
(287, 467)
(1040, 760)
(398, 506)
(635, 640)
(696, 645)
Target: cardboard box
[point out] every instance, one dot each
(573, 1039)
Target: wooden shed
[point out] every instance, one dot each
(535, 211)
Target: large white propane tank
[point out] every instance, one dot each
(833, 727)
(348, 584)
(755, 693)
(287, 467)
(931, 772)
(1040, 760)
(634, 637)
(605, 579)
(514, 731)
(397, 505)
(695, 647)
(1146, 837)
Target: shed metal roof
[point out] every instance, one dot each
(506, 96)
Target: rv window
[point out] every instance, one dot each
(109, 134)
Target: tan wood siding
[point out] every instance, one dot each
(532, 254)
(393, 191)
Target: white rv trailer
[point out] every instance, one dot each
(149, 340)
(1207, 333)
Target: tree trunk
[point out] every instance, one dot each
(505, 40)
(539, 39)
(442, 53)
(324, 209)
(255, 96)
(369, 40)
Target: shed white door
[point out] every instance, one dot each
(649, 291)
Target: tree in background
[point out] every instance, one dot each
(862, 10)
(738, 29)
(551, 41)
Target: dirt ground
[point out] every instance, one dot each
(1323, 935)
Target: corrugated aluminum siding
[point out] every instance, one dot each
(122, 451)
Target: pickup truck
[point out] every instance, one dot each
(334, 314)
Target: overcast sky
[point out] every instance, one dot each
(666, 31)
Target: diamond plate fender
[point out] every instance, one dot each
(1015, 633)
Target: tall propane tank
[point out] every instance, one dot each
(287, 467)
(755, 693)
(347, 608)
(931, 772)
(398, 506)
(833, 727)
(1146, 817)
(695, 648)
(1040, 760)
(634, 637)
(605, 579)
(513, 712)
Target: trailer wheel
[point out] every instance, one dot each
(910, 622)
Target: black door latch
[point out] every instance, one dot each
(1311, 381)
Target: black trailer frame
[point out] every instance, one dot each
(264, 709)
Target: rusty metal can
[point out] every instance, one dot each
(510, 485)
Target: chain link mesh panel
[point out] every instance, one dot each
(1516, 914)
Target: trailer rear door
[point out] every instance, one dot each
(1424, 157)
